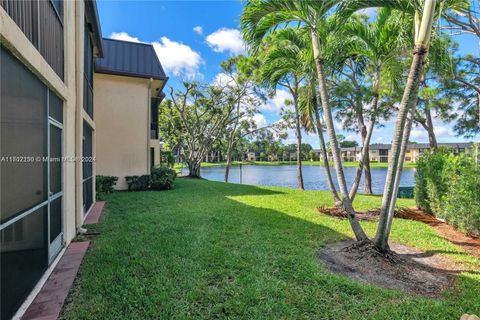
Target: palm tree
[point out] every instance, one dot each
(308, 95)
(282, 66)
(261, 17)
(380, 43)
(312, 122)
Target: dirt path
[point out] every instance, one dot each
(469, 244)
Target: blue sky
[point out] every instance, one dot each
(193, 37)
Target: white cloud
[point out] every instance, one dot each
(198, 30)
(421, 134)
(222, 80)
(178, 58)
(226, 40)
(276, 103)
(259, 120)
(123, 36)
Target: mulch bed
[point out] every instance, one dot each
(468, 243)
(404, 268)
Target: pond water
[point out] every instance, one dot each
(286, 176)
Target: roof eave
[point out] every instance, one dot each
(91, 9)
(130, 74)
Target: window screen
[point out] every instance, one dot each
(23, 137)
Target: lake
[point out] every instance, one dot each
(286, 176)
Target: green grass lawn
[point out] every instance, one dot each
(211, 250)
(305, 163)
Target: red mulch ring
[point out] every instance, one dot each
(468, 243)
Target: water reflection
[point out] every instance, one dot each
(286, 176)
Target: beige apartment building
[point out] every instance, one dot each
(53, 117)
(381, 152)
(128, 84)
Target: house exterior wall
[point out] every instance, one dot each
(70, 90)
(18, 44)
(122, 142)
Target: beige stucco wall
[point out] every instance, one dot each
(122, 141)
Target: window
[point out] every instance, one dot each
(31, 119)
(88, 73)
(87, 167)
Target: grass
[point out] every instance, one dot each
(210, 250)
(305, 163)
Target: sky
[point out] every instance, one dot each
(192, 38)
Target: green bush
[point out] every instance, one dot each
(448, 186)
(167, 158)
(163, 178)
(138, 183)
(104, 185)
(430, 185)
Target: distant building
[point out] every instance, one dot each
(381, 152)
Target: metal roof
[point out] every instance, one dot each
(131, 59)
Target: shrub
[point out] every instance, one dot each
(448, 185)
(168, 158)
(104, 185)
(163, 178)
(138, 183)
(429, 183)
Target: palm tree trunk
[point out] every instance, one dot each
(323, 148)
(368, 174)
(298, 134)
(364, 158)
(432, 140)
(409, 101)
(391, 188)
(366, 161)
(337, 161)
(403, 149)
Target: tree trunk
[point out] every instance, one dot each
(403, 149)
(298, 134)
(365, 149)
(229, 162)
(366, 160)
(391, 188)
(193, 169)
(432, 140)
(337, 161)
(323, 148)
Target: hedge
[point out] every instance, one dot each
(448, 186)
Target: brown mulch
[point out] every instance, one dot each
(403, 268)
(468, 243)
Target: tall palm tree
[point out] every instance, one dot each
(282, 65)
(261, 17)
(311, 118)
(312, 121)
(381, 43)
(423, 14)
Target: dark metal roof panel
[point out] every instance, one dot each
(129, 59)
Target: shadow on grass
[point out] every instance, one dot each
(194, 253)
